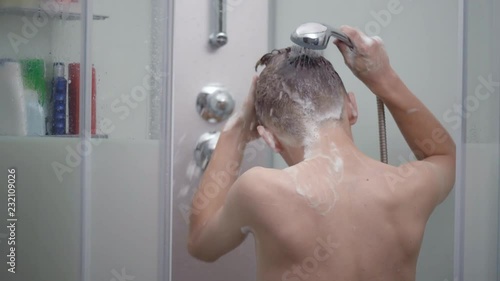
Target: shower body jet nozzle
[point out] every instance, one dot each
(316, 36)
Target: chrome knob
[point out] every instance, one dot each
(214, 103)
(218, 39)
(204, 148)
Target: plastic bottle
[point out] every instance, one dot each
(35, 93)
(74, 100)
(35, 114)
(58, 100)
(13, 118)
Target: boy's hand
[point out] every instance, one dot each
(368, 59)
(245, 119)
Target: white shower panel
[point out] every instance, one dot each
(196, 65)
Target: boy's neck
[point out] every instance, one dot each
(334, 138)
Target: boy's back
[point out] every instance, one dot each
(339, 224)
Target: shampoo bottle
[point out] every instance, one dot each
(59, 87)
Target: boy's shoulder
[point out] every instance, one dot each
(259, 178)
(261, 184)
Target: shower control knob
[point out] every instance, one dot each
(204, 149)
(214, 103)
(218, 39)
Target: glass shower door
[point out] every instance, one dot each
(482, 114)
(128, 206)
(40, 199)
(92, 186)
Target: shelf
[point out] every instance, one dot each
(33, 11)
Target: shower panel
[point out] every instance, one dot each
(212, 76)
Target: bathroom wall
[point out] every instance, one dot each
(11, 49)
(122, 54)
(421, 38)
(482, 113)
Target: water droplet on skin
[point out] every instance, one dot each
(246, 230)
(411, 111)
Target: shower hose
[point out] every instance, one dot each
(382, 131)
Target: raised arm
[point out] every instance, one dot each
(427, 138)
(217, 213)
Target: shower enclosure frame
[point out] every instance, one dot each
(164, 66)
(166, 143)
(459, 233)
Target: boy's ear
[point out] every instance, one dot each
(352, 108)
(270, 139)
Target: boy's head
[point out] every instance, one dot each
(297, 92)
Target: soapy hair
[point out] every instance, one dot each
(296, 92)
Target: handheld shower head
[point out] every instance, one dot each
(315, 36)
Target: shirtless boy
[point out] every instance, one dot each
(335, 214)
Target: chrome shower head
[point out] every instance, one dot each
(315, 36)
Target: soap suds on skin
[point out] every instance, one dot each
(312, 120)
(232, 121)
(411, 111)
(246, 230)
(338, 164)
(316, 178)
(267, 136)
(367, 40)
(371, 65)
(320, 192)
(377, 38)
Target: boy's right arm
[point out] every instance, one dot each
(425, 135)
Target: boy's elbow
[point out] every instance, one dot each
(196, 251)
(453, 149)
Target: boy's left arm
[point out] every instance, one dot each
(216, 218)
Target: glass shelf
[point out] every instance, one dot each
(59, 15)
